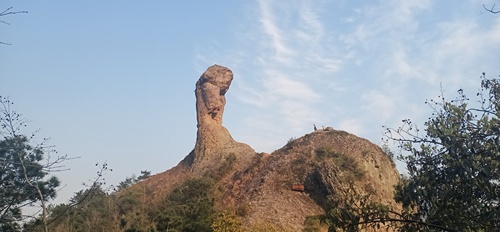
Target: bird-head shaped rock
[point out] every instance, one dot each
(210, 91)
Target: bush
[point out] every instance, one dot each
(188, 207)
(344, 162)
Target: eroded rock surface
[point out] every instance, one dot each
(210, 91)
(324, 162)
(258, 186)
(214, 142)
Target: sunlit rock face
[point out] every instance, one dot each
(214, 142)
(261, 186)
(210, 91)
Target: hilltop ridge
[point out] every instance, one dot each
(259, 187)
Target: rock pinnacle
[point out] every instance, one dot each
(214, 142)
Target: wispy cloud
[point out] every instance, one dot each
(282, 85)
(356, 66)
(352, 125)
(379, 105)
(273, 33)
(290, 59)
(310, 29)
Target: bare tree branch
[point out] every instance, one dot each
(492, 9)
(40, 194)
(6, 12)
(9, 12)
(20, 158)
(98, 181)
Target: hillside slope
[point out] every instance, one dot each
(258, 186)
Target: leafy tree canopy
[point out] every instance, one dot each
(453, 181)
(23, 176)
(454, 168)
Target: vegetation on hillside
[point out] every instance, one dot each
(188, 207)
(453, 181)
(24, 178)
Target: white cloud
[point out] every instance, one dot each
(311, 29)
(291, 45)
(353, 126)
(388, 21)
(404, 11)
(253, 96)
(402, 67)
(281, 52)
(298, 115)
(463, 40)
(327, 64)
(379, 105)
(282, 85)
(448, 54)
(375, 63)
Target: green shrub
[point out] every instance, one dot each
(225, 222)
(266, 227)
(314, 223)
(345, 163)
(188, 208)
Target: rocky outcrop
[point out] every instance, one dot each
(323, 162)
(258, 187)
(214, 142)
(210, 94)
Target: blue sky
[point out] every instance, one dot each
(113, 80)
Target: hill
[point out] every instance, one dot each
(224, 185)
(259, 186)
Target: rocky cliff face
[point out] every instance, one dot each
(213, 141)
(258, 186)
(323, 162)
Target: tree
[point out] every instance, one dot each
(225, 222)
(6, 12)
(453, 181)
(188, 208)
(144, 175)
(23, 177)
(129, 181)
(491, 9)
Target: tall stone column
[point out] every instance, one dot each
(214, 142)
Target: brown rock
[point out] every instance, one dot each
(261, 187)
(214, 142)
(329, 128)
(210, 91)
(321, 163)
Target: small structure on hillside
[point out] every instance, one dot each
(329, 128)
(298, 187)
